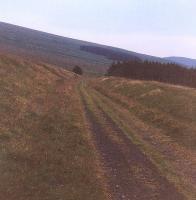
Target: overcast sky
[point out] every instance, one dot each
(156, 27)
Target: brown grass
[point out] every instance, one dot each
(160, 118)
(46, 152)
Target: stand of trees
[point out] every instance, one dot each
(77, 70)
(168, 73)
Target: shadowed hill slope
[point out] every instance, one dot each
(61, 51)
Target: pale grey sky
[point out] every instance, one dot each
(156, 27)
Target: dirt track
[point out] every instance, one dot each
(129, 173)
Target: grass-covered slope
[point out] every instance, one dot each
(67, 137)
(48, 48)
(160, 119)
(45, 148)
(62, 51)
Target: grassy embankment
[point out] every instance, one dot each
(45, 149)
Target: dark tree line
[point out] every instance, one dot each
(154, 71)
(109, 53)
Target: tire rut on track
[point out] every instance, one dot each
(129, 173)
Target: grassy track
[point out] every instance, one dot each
(98, 139)
(152, 127)
(125, 164)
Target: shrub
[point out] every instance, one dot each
(77, 70)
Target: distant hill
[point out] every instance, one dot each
(187, 62)
(62, 51)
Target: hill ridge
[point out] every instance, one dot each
(58, 50)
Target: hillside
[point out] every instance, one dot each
(187, 62)
(61, 51)
(67, 137)
(45, 149)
